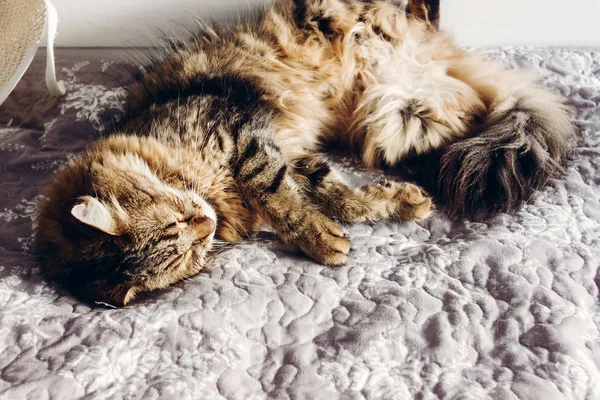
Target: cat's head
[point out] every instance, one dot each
(110, 227)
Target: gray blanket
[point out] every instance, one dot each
(438, 309)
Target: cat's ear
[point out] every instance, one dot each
(93, 213)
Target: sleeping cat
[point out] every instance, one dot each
(224, 134)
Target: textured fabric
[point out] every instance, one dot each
(457, 310)
(21, 26)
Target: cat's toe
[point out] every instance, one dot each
(335, 259)
(413, 202)
(424, 209)
(414, 194)
(333, 250)
(332, 228)
(324, 241)
(340, 244)
(335, 246)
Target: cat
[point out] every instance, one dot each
(226, 131)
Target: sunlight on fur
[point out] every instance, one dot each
(224, 133)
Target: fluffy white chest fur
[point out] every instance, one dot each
(416, 103)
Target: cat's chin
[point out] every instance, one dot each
(195, 255)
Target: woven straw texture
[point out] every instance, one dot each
(21, 25)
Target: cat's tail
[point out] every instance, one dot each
(525, 141)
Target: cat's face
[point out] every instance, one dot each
(132, 232)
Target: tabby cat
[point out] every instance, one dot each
(224, 133)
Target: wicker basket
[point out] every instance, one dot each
(22, 27)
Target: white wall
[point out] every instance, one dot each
(527, 22)
(118, 23)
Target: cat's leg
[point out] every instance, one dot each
(268, 185)
(374, 202)
(497, 134)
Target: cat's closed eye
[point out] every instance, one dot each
(180, 223)
(183, 224)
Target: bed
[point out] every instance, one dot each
(438, 309)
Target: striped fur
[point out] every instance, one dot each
(226, 130)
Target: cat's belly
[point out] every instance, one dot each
(412, 105)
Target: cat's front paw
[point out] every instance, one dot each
(323, 240)
(409, 202)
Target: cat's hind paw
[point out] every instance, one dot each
(409, 201)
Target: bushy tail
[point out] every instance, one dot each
(525, 141)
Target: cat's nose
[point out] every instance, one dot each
(203, 227)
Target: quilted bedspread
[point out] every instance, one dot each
(454, 310)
